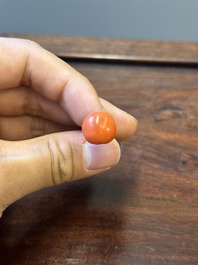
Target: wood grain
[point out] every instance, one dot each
(145, 210)
(117, 50)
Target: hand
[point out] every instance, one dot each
(43, 102)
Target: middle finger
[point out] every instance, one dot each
(25, 101)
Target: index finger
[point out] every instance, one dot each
(26, 63)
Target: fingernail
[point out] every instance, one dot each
(133, 118)
(136, 121)
(101, 156)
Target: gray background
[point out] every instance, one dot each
(131, 19)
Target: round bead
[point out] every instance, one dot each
(99, 128)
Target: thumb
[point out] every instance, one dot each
(30, 165)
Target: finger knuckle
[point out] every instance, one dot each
(30, 43)
(32, 103)
(61, 162)
(38, 127)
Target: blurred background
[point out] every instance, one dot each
(175, 20)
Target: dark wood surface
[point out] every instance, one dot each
(118, 50)
(145, 210)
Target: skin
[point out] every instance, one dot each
(41, 143)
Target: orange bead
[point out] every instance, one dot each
(99, 128)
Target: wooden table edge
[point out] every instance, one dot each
(123, 50)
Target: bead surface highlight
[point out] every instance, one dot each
(99, 128)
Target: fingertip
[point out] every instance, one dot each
(132, 124)
(126, 124)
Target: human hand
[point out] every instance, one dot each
(43, 102)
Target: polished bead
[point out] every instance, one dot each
(99, 128)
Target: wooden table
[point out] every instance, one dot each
(145, 210)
